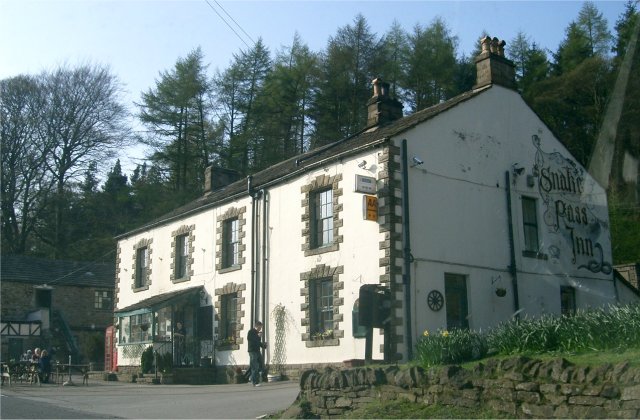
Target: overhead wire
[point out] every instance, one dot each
(82, 268)
(227, 23)
(234, 21)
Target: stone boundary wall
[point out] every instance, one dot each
(519, 387)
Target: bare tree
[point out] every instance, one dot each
(25, 181)
(53, 126)
(82, 120)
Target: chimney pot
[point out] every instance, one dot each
(494, 45)
(501, 45)
(485, 43)
(376, 86)
(491, 65)
(382, 108)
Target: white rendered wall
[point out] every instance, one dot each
(459, 224)
(358, 255)
(459, 218)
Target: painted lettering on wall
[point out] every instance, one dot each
(561, 181)
(572, 210)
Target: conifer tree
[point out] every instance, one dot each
(176, 115)
(287, 95)
(350, 63)
(237, 90)
(432, 57)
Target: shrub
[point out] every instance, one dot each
(146, 360)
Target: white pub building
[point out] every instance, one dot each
(467, 213)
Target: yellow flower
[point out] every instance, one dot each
(426, 333)
(445, 333)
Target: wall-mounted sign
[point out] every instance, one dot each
(370, 207)
(365, 184)
(574, 212)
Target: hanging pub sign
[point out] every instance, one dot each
(370, 207)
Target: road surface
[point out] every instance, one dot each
(126, 400)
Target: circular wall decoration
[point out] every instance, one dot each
(435, 300)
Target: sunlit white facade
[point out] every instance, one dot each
(468, 213)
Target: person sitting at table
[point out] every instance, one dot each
(26, 357)
(44, 367)
(36, 355)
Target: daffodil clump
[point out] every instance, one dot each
(613, 327)
(455, 346)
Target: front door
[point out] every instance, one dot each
(455, 287)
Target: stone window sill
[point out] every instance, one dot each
(230, 269)
(321, 250)
(140, 289)
(534, 254)
(323, 343)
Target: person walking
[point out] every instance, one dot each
(255, 345)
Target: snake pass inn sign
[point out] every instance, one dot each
(575, 212)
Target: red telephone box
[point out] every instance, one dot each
(110, 350)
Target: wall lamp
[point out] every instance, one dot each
(362, 164)
(517, 169)
(415, 161)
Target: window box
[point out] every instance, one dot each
(324, 335)
(227, 344)
(323, 342)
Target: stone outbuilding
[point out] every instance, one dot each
(61, 305)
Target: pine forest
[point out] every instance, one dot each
(60, 127)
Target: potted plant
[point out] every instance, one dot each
(235, 375)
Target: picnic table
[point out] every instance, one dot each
(23, 371)
(63, 369)
(27, 372)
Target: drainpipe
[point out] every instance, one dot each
(253, 247)
(265, 272)
(406, 275)
(512, 248)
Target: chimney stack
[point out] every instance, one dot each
(382, 109)
(492, 67)
(216, 178)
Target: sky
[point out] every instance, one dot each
(138, 39)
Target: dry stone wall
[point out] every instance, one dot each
(519, 387)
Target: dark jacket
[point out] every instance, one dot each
(44, 364)
(253, 339)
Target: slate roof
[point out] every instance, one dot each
(39, 271)
(301, 163)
